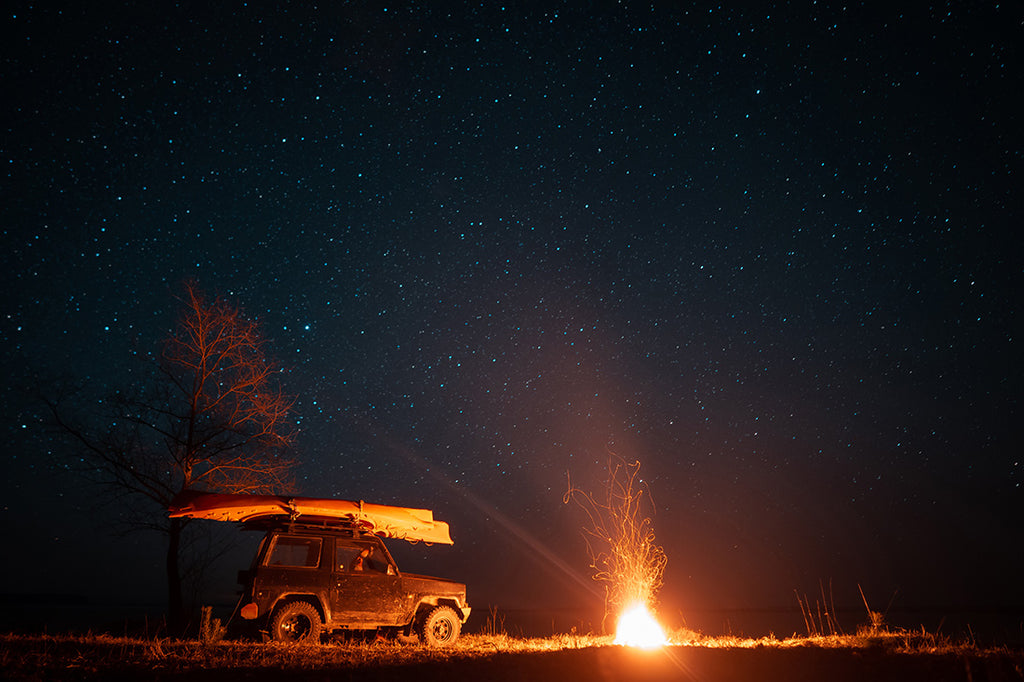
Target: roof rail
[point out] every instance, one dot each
(305, 523)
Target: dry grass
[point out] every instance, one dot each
(101, 651)
(89, 655)
(897, 641)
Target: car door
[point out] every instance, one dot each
(367, 590)
(292, 564)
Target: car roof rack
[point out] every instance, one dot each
(307, 523)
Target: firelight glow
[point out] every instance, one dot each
(638, 628)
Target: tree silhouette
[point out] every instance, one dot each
(212, 417)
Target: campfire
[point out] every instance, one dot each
(623, 552)
(638, 628)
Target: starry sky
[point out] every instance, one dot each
(773, 254)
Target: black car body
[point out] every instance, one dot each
(309, 580)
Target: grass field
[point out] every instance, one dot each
(902, 655)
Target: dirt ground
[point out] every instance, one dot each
(680, 663)
(58, 661)
(704, 664)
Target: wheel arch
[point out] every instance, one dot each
(428, 604)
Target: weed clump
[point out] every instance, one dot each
(210, 629)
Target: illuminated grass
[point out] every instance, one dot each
(66, 658)
(32, 656)
(898, 641)
(105, 651)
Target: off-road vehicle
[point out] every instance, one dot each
(322, 568)
(309, 580)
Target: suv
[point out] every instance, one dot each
(309, 579)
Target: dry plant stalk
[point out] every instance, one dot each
(876, 618)
(620, 537)
(820, 620)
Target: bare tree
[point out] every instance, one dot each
(213, 417)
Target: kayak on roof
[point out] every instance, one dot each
(404, 523)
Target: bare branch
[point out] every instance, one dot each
(213, 417)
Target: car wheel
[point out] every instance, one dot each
(297, 622)
(441, 627)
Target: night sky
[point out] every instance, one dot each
(775, 255)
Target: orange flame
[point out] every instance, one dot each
(638, 628)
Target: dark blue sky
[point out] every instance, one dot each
(775, 255)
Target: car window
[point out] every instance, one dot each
(345, 556)
(360, 558)
(294, 550)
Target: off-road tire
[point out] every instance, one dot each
(440, 627)
(297, 622)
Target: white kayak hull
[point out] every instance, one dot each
(404, 523)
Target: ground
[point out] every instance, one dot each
(499, 657)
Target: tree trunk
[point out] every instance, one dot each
(175, 603)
